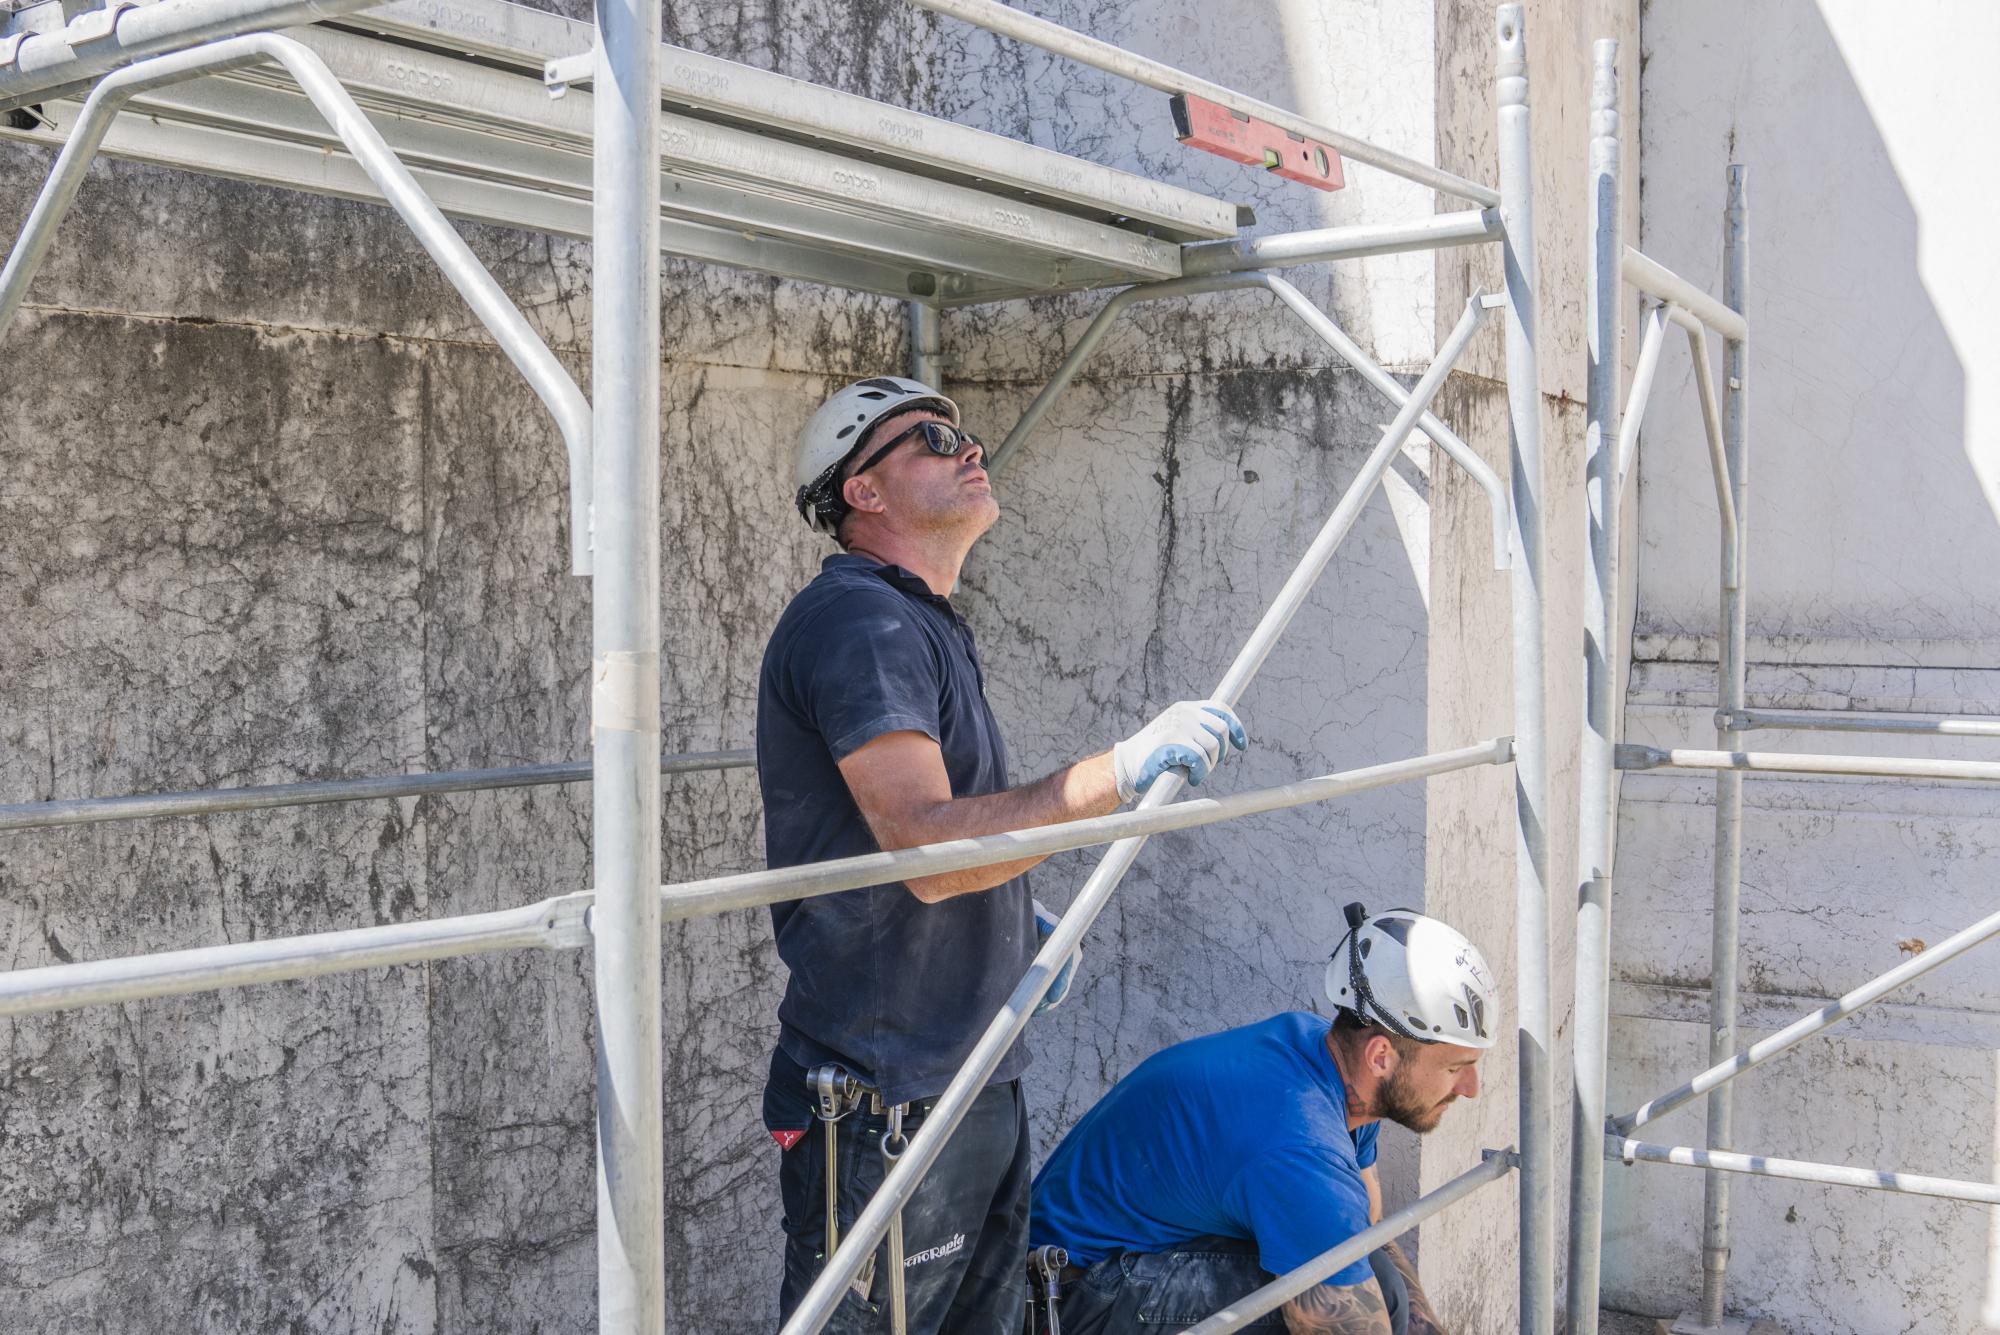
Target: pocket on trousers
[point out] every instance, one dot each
(1185, 1287)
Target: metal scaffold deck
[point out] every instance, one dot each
(489, 112)
(757, 170)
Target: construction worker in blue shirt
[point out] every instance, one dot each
(873, 732)
(1225, 1160)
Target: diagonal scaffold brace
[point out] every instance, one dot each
(868, 1229)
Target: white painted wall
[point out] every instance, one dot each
(1875, 444)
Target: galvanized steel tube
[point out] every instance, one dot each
(1778, 762)
(1718, 456)
(1724, 948)
(1794, 1170)
(1087, 50)
(211, 801)
(1531, 773)
(745, 890)
(559, 924)
(1653, 339)
(72, 56)
(553, 924)
(1285, 250)
(1721, 1073)
(927, 345)
(1743, 720)
(818, 1305)
(625, 669)
(496, 311)
(1657, 280)
(1597, 781)
(1290, 1285)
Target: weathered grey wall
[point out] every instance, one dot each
(1167, 498)
(275, 510)
(1873, 444)
(1470, 863)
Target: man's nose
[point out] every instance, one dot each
(974, 452)
(1468, 1083)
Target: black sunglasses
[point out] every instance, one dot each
(939, 438)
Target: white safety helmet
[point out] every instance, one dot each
(1413, 976)
(842, 423)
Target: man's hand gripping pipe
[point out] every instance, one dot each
(819, 1303)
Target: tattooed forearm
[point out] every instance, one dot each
(1423, 1318)
(1353, 1309)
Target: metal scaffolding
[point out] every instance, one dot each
(1611, 445)
(478, 110)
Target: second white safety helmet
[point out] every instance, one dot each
(1414, 976)
(842, 423)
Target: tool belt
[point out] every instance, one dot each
(836, 1092)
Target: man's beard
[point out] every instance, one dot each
(1398, 1101)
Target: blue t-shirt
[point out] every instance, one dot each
(1241, 1134)
(894, 989)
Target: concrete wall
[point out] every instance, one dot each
(1470, 851)
(276, 510)
(1168, 496)
(1873, 448)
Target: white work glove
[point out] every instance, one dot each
(1192, 736)
(1045, 927)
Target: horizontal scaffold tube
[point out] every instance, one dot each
(1286, 250)
(1795, 1170)
(817, 1307)
(555, 924)
(1944, 952)
(1290, 1285)
(208, 801)
(1743, 720)
(1098, 54)
(1784, 762)
(560, 924)
(71, 56)
(1657, 280)
(753, 889)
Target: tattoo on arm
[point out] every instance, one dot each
(1352, 1309)
(1423, 1318)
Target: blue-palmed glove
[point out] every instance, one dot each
(1045, 927)
(1192, 736)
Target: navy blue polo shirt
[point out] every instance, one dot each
(894, 989)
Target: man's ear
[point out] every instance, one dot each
(862, 496)
(1380, 1056)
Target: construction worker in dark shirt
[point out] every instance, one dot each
(873, 732)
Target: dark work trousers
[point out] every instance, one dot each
(1158, 1292)
(965, 1232)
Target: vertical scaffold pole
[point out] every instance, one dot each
(1728, 783)
(625, 668)
(1531, 778)
(927, 344)
(1598, 815)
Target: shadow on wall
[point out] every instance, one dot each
(1870, 543)
(1867, 518)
